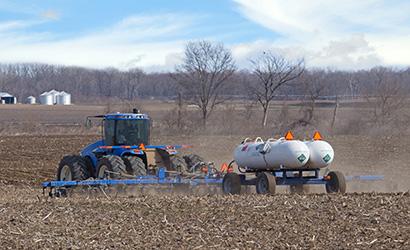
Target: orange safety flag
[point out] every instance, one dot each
(224, 167)
(317, 136)
(289, 136)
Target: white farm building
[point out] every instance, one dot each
(6, 98)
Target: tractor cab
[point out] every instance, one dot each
(126, 129)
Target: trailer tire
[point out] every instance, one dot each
(73, 168)
(193, 160)
(135, 165)
(112, 163)
(231, 184)
(265, 183)
(178, 164)
(337, 183)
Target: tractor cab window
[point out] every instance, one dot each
(127, 132)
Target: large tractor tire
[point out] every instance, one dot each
(73, 168)
(111, 167)
(337, 183)
(135, 165)
(193, 160)
(231, 184)
(178, 164)
(265, 183)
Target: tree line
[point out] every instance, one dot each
(208, 76)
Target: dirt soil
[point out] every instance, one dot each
(137, 219)
(353, 221)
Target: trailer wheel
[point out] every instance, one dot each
(231, 184)
(135, 165)
(265, 183)
(73, 168)
(178, 164)
(111, 167)
(193, 160)
(337, 183)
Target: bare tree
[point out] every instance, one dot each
(385, 93)
(272, 72)
(314, 86)
(132, 80)
(203, 75)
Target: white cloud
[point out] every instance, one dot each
(136, 41)
(13, 25)
(347, 34)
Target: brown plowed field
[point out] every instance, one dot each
(170, 220)
(353, 221)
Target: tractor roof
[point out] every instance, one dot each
(126, 116)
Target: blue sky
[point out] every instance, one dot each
(152, 34)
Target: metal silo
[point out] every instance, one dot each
(47, 99)
(64, 98)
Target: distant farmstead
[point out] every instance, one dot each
(55, 97)
(6, 98)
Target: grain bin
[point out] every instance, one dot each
(54, 93)
(47, 99)
(63, 98)
(31, 100)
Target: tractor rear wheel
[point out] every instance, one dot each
(135, 165)
(178, 164)
(193, 160)
(265, 183)
(111, 167)
(337, 183)
(231, 184)
(73, 168)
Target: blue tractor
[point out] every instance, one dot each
(124, 151)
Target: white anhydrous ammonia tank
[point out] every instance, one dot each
(321, 154)
(272, 154)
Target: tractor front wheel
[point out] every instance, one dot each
(111, 167)
(73, 168)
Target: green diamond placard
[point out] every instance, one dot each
(302, 157)
(327, 158)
